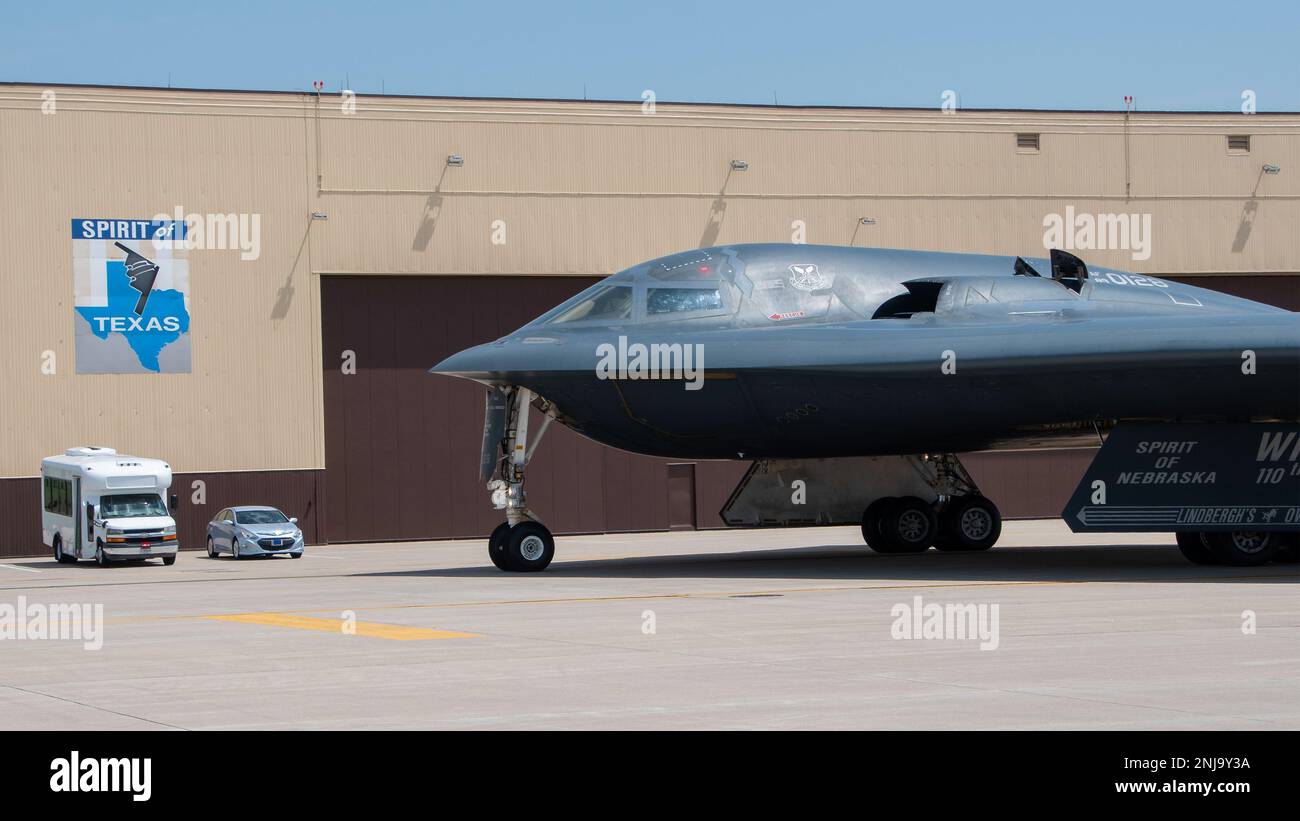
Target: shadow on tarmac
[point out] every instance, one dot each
(1086, 563)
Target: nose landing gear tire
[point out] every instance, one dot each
(497, 546)
(525, 548)
(529, 547)
(969, 524)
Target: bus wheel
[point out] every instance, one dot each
(59, 555)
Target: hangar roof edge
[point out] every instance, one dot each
(637, 101)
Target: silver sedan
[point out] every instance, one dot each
(254, 531)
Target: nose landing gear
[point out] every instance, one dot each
(521, 543)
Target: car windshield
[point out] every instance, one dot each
(260, 517)
(126, 505)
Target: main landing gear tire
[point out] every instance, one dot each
(525, 548)
(1244, 548)
(1289, 551)
(969, 524)
(1195, 548)
(899, 525)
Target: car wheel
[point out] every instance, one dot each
(234, 549)
(212, 549)
(169, 560)
(100, 558)
(1195, 548)
(1244, 548)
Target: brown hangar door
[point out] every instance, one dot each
(681, 496)
(402, 445)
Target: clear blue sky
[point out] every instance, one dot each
(1048, 54)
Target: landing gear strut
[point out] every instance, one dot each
(521, 543)
(959, 520)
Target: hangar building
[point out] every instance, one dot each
(318, 253)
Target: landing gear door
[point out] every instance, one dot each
(494, 430)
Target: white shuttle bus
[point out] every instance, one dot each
(97, 504)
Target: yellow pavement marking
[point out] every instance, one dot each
(704, 594)
(375, 630)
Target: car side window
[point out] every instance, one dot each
(223, 515)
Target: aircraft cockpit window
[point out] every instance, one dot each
(677, 300)
(609, 305)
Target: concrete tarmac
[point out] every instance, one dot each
(782, 629)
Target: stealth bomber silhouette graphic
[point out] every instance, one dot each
(142, 273)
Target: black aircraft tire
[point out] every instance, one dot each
(1244, 548)
(1289, 552)
(1195, 548)
(530, 547)
(497, 546)
(909, 525)
(969, 524)
(872, 521)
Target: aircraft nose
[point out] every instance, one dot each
(500, 360)
(478, 361)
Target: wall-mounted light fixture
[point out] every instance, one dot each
(1272, 169)
(456, 160)
(868, 220)
(739, 165)
(317, 215)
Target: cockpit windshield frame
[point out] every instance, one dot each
(641, 285)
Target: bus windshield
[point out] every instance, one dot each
(127, 505)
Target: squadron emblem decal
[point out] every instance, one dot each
(808, 278)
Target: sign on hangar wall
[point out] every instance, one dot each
(131, 285)
(1185, 477)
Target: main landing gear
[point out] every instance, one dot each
(1240, 548)
(521, 543)
(959, 520)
